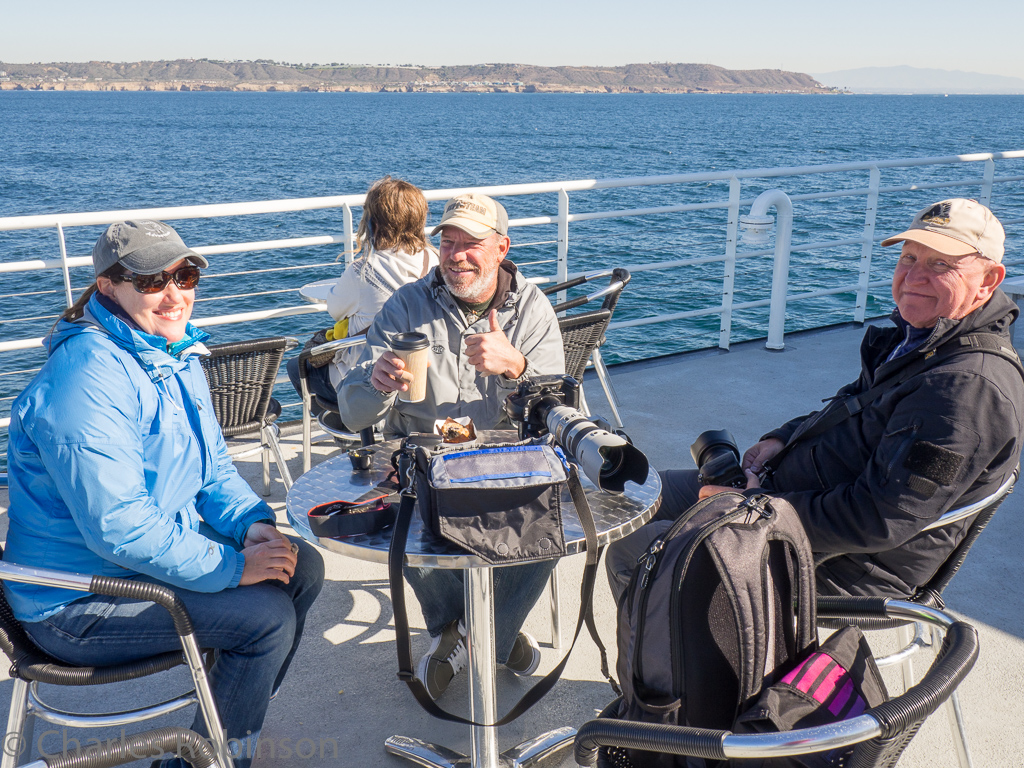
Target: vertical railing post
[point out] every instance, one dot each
(350, 236)
(562, 266)
(728, 280)
(986, 185)
(64, 265)
(867, 246)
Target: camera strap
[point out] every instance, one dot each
(396, 559)
(843, 408)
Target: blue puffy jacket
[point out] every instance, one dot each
(114, 456)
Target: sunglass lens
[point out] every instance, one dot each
(185, 278)
(149, 283)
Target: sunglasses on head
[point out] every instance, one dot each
(186, 277)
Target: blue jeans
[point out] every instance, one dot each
(318, 381)
(516, 589)
(255, 628)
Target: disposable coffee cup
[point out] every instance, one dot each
(412, 348)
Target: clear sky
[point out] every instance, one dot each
(799, 35)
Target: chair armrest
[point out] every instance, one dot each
(651, 737)
(182, 742)
(103, 585)
(330, 346)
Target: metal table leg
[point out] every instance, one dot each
(482, 701)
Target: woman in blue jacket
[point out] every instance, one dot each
(118, 467)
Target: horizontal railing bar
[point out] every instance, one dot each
(246, 295)
(319, 203)
(269, 245)
(244, 317)
(28, 319)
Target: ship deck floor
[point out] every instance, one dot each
(342, 685)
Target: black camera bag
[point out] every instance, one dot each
(502, 502)
(723, 598)
(410, 462)
(838, 681)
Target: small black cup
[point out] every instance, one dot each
(361, 458)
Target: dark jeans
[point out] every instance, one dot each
(516, 589)
(318, 381)
(256, 629)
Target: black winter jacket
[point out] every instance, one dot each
(946, 437)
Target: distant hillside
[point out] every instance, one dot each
(917, 80)
(265, 75)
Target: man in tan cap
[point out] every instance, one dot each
(487, 328)
(935, 421)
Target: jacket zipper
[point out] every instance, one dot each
(817, 471)
(904, 445)
(649, 561)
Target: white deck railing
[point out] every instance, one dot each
(871, 192)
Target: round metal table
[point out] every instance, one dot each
(316, 293)
(615, 515)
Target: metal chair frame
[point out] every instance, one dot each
(31, 666)
(877, 737)
(307, 397)
(241, 375)
(914, 636)
(583, 334)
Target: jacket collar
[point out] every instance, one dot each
(158, 358)
(510, 285)
(994, 316)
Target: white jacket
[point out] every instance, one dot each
(363, 288)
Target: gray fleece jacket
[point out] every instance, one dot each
(454, 388)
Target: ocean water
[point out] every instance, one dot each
(65, 152)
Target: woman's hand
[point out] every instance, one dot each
(268, 555)
(260, 532)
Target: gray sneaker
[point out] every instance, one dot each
(445, 659)
(525, 656)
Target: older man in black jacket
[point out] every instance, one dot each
(940, 421)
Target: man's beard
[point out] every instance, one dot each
(482, 282)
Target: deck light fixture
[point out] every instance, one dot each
(756, 230)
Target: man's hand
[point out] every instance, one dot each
(756, 456)
(492, 353)
(389, 374)
(753, 481)
(268, 560)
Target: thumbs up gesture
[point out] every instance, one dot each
(492, 353)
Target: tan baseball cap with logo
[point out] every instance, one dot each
(479, 215)
(956, 227)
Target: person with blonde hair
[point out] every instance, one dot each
(393, 250)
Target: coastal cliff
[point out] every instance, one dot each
(265, 75)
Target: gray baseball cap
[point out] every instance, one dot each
(144, 247)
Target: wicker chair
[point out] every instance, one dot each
(241, 375)
(874, 738)
(914, 635)
(31, 666)
(328, 419)
(583, 334)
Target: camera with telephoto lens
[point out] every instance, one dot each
(548, 404)
(718, 459)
